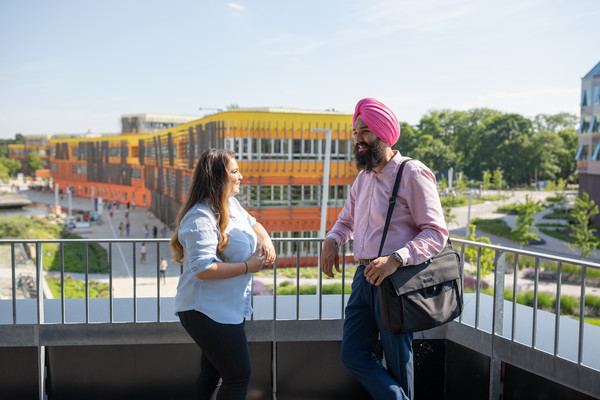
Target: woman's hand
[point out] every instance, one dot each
(267, 251)
(265, 245)
(255, 262)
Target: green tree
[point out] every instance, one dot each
(11, 165)
(408, 140)
(525, 221)
(447, 208)
(566, 160)
(506, 145)
(498, 179)
(487, 255)
(555, 123)
(35, 161)
(469, 138)
(434, 153)
(461, 182)
(582, 234)
(548, 149)
(487, 177)
(4, 173)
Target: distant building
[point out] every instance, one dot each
(588, 153)
(31, 144)
(282, 155)
(151, 123)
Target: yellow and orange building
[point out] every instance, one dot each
(292, 184)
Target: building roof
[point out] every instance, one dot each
(594, 73)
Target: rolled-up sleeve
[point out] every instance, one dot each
(343, 229)
(199, 237)
(426, 210)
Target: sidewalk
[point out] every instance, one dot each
(488, 209)
(551, 245)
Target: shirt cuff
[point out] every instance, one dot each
(404, 253)
(203, 265)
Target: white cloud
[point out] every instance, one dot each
(235, 6)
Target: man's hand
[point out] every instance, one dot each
(329, 257)
(380, 268)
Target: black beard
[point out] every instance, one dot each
(370, 158)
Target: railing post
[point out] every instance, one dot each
(497, 321)
(41, 350)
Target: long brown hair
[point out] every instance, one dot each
(210, 181)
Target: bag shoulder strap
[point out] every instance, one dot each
(392, 203)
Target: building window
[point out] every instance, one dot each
(595, 155)
(593, 125)
(597, 95)
(585, 98)
(584, 125)
(582, 153)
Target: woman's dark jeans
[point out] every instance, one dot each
(225, 355)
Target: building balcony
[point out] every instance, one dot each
(130, 344)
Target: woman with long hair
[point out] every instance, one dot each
(220, 245)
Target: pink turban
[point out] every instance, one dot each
(379, 118)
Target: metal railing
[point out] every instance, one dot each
(482, 326)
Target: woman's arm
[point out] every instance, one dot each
(265, 245)
(225, 270)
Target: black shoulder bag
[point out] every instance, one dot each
(420, 297)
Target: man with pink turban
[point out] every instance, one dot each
(416, 233)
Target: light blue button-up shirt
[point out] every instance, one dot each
(226, 301)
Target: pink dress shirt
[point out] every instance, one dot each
(417, 229)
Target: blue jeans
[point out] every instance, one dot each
(225, 355)
(362, 328)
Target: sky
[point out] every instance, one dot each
(77, 66)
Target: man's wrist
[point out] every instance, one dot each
(398, 259)
(333, 240)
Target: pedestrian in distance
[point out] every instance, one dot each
(163, 231)
(154, 231)
(121, 227)
(219, 245)
(127, 227)
(146, 231)
(164, 264)
(416, 233)
(143, 251)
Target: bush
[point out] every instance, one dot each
(593, 302)
(287, 288)
(509, 208)
(568, 305)
(336, 288)
(75, 289)
(470, 284)
(74, 253)
(74, 257)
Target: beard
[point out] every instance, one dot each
(371, 157)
